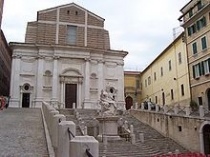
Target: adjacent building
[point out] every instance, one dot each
(132, 88)
(5, 59)
(166, 80)
(196, 22)
(66, 60)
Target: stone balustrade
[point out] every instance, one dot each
(63, 135)
(172, 110)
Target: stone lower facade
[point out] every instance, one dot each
(71, 77)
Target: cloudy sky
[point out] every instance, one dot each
(144, 28)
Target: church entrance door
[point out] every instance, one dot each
(26, 100)
(70, 95)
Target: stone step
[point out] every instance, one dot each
(154, 143)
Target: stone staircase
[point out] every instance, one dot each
(154, 143)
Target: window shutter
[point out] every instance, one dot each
(193, 67)
(209, 64)
(201, 68)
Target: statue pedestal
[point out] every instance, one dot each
(108, 127)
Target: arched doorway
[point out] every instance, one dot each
(128, 102)
(208, 98)
(206, 138)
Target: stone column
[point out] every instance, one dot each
(100, 77)
(62, 91)
(64, 137)
(55, 79)
(87, 84)
(55, 122)
(120, 89)
(15, 82)
(39, 81)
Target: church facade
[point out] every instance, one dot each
(66, 60)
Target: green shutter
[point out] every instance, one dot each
(201, 68)
(193, 67)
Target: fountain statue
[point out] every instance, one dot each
(108, 120)
(108, 104)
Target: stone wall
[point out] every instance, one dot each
(185, 130)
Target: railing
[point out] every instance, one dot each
(70, 134)
(88, 152)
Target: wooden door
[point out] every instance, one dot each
(70, 95)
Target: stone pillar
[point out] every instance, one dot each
(201, 111)
(80, 144)
(39, 81)
(136, 106)
(187, 110)
(157, 108)
(100, 77)
(87, 84)
(56, 120)
(142, 106)
(52, 113)
(165, 108)
(62, 94)
(120, 88)
(176, 110)
(149, 106)
(64, 137)
(15, 82)
(55, 79)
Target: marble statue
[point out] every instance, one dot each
(108, 104)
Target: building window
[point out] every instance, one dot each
(194, 46)
(203, 43)
(200, 101)
(156, 99)
(203, 21)
(172, 94)
(71, 35)
(169, 65)
(199, 5)
(161, 71)
(180, 57)
(182, 90)
(145, 83)
(206, 66)
(197, 70)
(137, 84)
(149, 80)
(155, 76)
(190, 13)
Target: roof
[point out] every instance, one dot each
(132, 72)
(75, 5)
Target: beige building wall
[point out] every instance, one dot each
(196, 22)
(165, 81)
(132, 85)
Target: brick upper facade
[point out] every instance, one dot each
(52, 25)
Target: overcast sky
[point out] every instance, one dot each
(144, 28)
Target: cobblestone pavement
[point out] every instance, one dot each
(22, 133)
